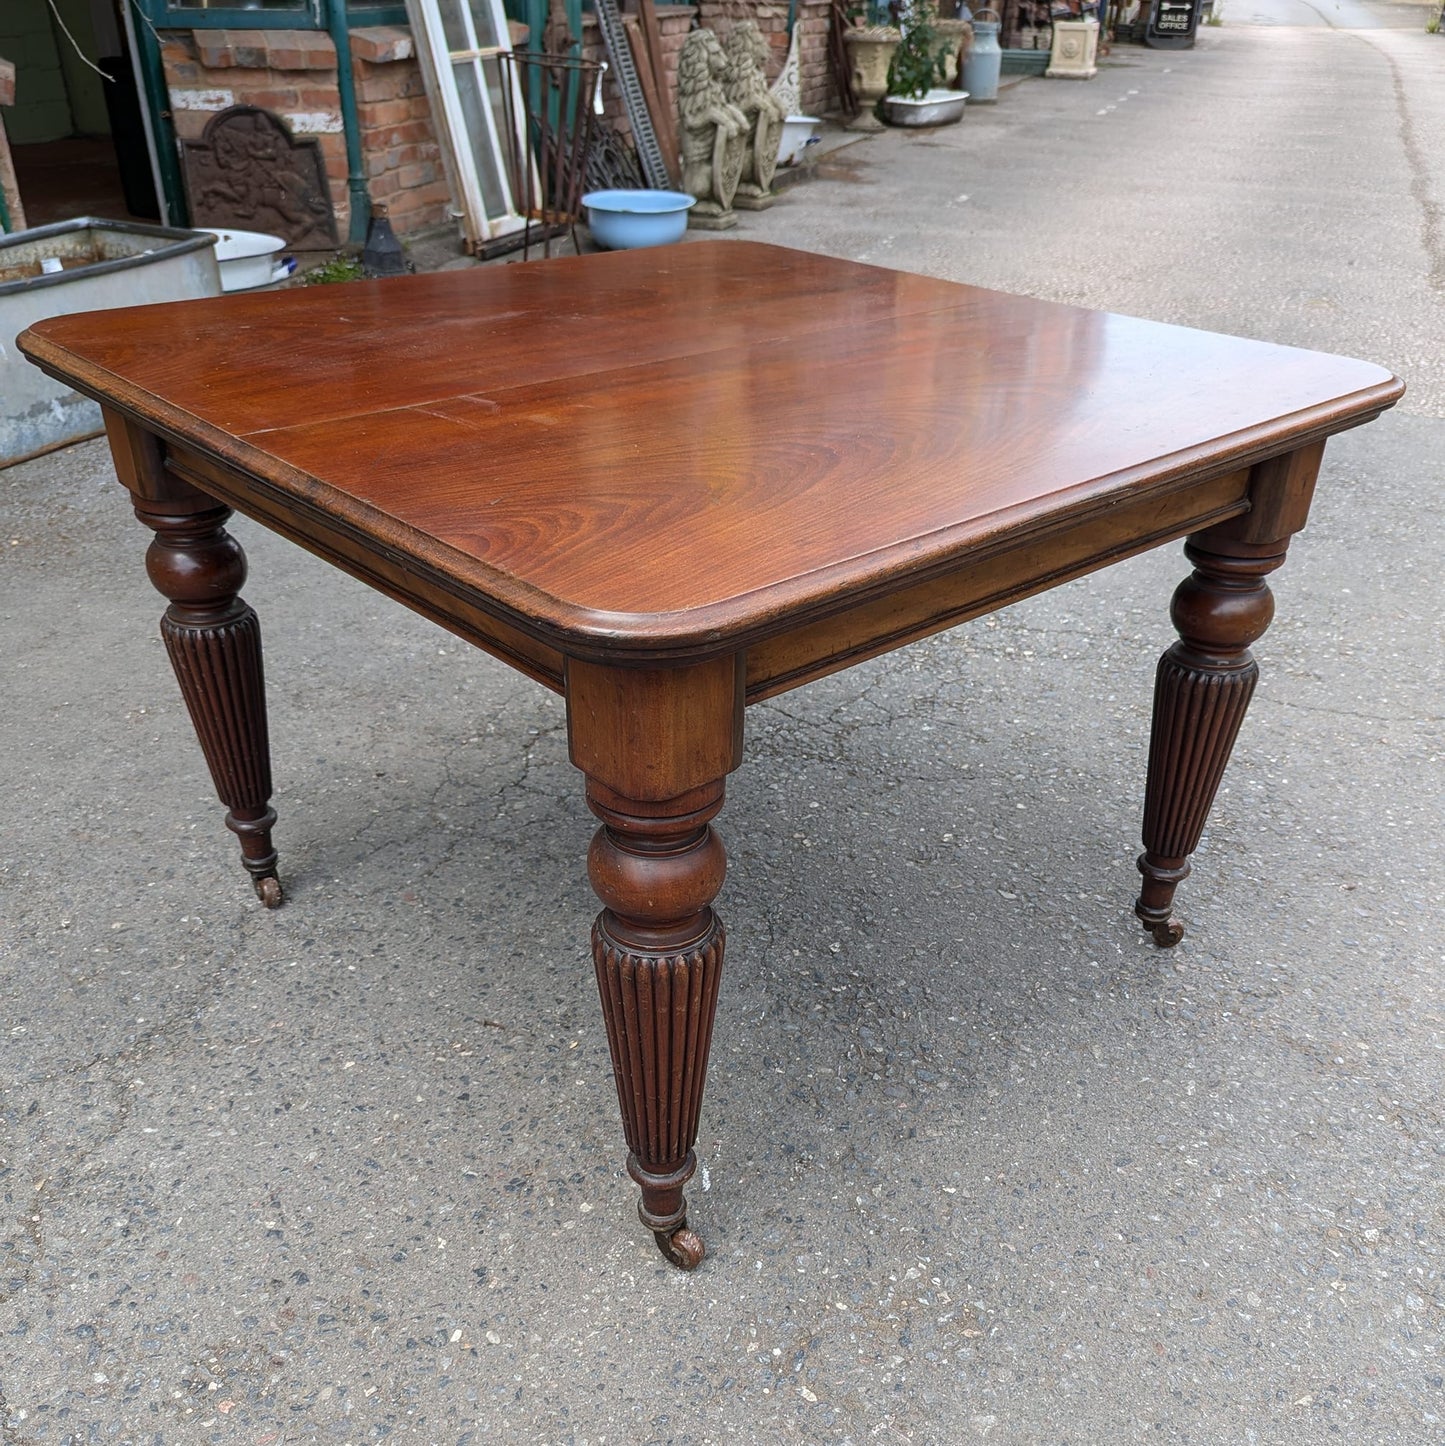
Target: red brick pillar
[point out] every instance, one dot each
(399, 148)
(819, 91)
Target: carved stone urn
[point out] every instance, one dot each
(958, 36)
(1072, 55)
(870, 52)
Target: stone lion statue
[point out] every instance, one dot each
(745, 83)
(714, 131)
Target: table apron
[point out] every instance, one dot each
(977, 585)
(391, 571)
(982, 585)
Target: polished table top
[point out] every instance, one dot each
(689, 448)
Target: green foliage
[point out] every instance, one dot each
(339, 268)
(918, 62)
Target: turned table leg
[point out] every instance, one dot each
(1202, 689)
(655, 745)
(214, 642)
(658, 951)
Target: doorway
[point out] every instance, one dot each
(76, 135)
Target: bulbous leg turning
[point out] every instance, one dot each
(1202, 690)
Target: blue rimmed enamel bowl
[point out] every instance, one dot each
(626, 220)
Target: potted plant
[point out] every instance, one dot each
(914, 96)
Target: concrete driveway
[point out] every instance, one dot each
(980, 1164)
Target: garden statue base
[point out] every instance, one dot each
(1076, 44)
(711, 220)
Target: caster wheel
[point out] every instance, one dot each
(1168, 934)
(684, 1247)
(268, 890)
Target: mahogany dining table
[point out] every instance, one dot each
(669, 483)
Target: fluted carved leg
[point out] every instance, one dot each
(214, 642)
(658, 950)
(655, 745)
(1202, 689)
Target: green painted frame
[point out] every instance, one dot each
(534, 13)
(170, 15)
(300, 15)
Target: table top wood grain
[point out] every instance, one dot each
(701, 445)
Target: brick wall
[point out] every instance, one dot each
(673, 22)
(293, 74)
(819, 92)
(398, 143)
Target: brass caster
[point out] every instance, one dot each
(683, 1247)
(268, 890)
(1167, 934)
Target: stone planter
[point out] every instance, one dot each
(93, 265)
(870, 52)
(1076, 43)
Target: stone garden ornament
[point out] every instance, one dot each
(787, 89)
(715, 133)
(745, 83)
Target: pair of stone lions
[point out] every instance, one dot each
(730, 122)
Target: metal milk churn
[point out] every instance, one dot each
(981, 66)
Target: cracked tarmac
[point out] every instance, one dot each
(978, 1162)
